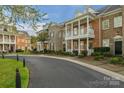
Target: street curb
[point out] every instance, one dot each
(98, 69)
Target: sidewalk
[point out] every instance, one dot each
(115, 68)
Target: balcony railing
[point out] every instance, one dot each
(7, 41)
(90, 34)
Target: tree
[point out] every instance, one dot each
(20, 14)
(42, 37)
(33, 41)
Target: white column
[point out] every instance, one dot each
(79, 27)
(88, 35)
(66, 47)
(79, 50)
(3, 42)
(72, 45)
(9, 42)
(79, 37)
(71, 29)
(72, 36)
(65, 30)
(15, 43)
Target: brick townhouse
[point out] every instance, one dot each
(111, 28)
(101, 28)
(82, 32)
(23, 41)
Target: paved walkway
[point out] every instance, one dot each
(55, 73)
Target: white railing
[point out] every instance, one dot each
(7, 41)
(85, 35)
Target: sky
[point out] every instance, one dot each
(58, 14)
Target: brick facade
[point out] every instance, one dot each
(111, 32)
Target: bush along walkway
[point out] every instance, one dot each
(13, 73)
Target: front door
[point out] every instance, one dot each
(118, 47)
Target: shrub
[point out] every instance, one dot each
(99, 57)
(105, 51)
(66, 53)
(96, 54)
(84, 53)
(45, 51)
(75, 52)
(107, 54)
(19, 50)
(72, 54)
(115, 60)
(60, 52)
(80, 56)
(102, 49)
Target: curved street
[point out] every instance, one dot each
(56, 73)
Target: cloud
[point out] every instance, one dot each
(46, 16)
(29, 29)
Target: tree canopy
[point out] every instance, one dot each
(43, 36)
(18, 14)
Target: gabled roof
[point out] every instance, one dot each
(23, 33)
(108, 8)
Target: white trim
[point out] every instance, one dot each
(88, 35)
(117, 21)
(75, 20)
(103, 24)
(79, 49)
(72, 32)
(72, 48)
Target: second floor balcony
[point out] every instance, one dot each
(82, 34)
(7, 41)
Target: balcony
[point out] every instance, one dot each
(7, 41)
(81, 36)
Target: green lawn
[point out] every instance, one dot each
(8, 72)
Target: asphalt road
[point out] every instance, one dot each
(54, 73)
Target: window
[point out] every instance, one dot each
(75, 44)
(105, 24)
(81, 44)
(117, 21)
(75, 31)
(82, 30)
(68, 33)
(106, 43)
(90, 45)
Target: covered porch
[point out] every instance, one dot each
(79, 45)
